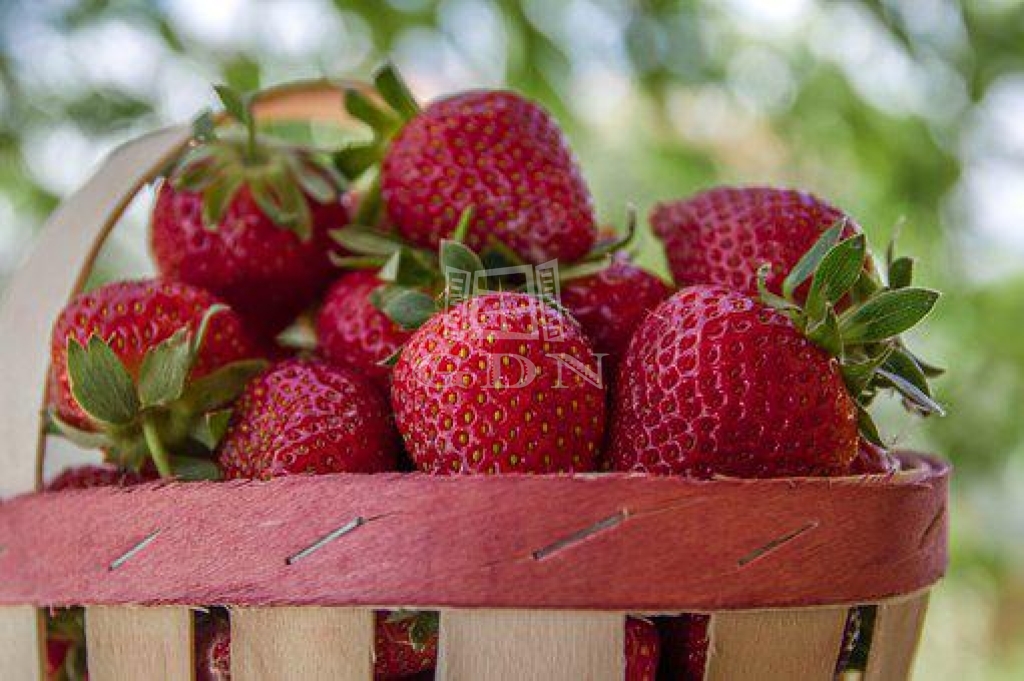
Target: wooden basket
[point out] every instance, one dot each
(532, 575)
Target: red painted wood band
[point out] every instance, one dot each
(599, 542)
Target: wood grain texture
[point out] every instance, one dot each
(898, 625)
(21, 632)
(782, 645)
(524, 645)
(602, 542)
(301, 644)
(128, 644)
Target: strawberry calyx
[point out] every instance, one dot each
(278, 175)
(385, 114)
(857, 317)
(424, 626)
(65, 637)
(158, 413)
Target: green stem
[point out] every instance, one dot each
(156, 449)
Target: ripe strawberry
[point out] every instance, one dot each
(248, 219)
(213, 648)
(144, 368)
(723, 235)
(684, 644)
(715, 383)
(610, 305)
(405, 643)
(307, 416)
(872, 459)
(494, 385)
(643, 648)
(352, 332)
(491, 149)
(88, 476)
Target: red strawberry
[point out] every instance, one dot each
(723, 235)
(493, 150)
(141, 369)
(352, 332)
(405, 644)
(307, 416)
(684, 645)
(65, 645)
(643, 648)
(213, 648)
(715, 383)
(611, 304)
(494, 385)
(248, 219)
(86, 477)
(872, 459)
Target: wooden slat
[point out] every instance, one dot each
(127, 644)
(21, 631)
(527, 542)
(782, 645)
(898, 625)
(301, 644)
(524, 645)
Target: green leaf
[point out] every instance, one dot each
(901, 272)
(204, 127)
(357, 262)
(370, 206)
(911, 392)
(902, 363)
(82, 438)
(368, 111)
(584, 268)
(199, 337)
(423, 629)
(408, 308)
(100, 383)
(364, 240)
(836, 274)
(770, 299)
(392, 359)
(805, 267)
(886, 315)
(210, 429)
(395, 92)
(217, 197)
(462, 227)
(356, 158)
(165, 369)
(867, 427)
(199, 168)
(280, 199)
(408, 267)
(620, 244)
(825, 333)
(236, 104)
(858, 375)
(220, 388)
(194, 468)
(497, 254)
(315, 181)
(457, 257)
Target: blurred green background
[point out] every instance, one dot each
(907, 112)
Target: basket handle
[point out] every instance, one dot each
(65, 251)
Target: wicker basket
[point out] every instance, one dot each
(533, 575)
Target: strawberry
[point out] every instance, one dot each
(500, 383)
(716, 383)
(723, 235)
(145, 369)
(492, 149)
(872, 459)
(352, 332)
(611, 303)
(643, 648)
(772, 388)
(684, 644)
(213, 647)
(405, 644)
(89, 476)
(65, 645)
(248, 219)
(307, 416)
